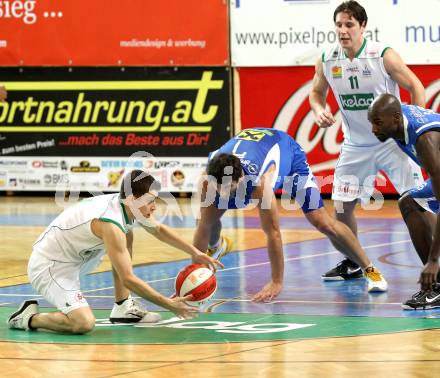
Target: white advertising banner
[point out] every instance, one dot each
(296, 32)
(96, 174)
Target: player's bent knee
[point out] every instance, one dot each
(81, 326)
(327, 228)
(408, 205)
(81, 320)
(322, 222)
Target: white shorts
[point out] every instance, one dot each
(59, 282)
(357, 168)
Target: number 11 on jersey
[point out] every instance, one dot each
(354, 84)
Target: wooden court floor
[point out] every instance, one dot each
(397, 354)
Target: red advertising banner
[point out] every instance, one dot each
(113, 32)
(278, 98)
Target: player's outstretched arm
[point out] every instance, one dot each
(317, 97)
(269, 222)
(403, 76)
(169, 236)
(115, 245)
(428, 151)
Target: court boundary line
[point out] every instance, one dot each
(238, 267)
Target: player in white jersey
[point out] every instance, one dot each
(357, 71)
(74, 244)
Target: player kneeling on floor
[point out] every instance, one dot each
(74, 244)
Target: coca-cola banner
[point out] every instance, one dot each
(113, 32)
(295, 32)
(278, 98)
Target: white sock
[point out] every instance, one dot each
(215, 245)
(368, 266)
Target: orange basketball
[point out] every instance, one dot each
(196, 280)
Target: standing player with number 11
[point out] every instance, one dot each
(357, 71)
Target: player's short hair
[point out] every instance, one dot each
(225, 165)
(138, 182)
(354, 9)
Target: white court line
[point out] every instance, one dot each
(19, 295)
(223, 270)
(313, 302)
(40, 296)
(384, 232)
(267, 262)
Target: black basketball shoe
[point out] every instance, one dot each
(345, 270)
(424, 300)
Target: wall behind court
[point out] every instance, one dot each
(283, 38)
(113, 33)
(295, 32)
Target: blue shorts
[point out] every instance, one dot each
(424, 196)
(302, 187)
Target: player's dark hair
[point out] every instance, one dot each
(353, 9)
(138, 182)
(218, 167)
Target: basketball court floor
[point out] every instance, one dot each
(313, 329)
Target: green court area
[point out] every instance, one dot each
(222, 328)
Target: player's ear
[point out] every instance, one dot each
(128, 201)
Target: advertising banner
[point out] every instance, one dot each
(161, 113)
(103, 174)
(296, 32)
(278, 98)
(113, 33)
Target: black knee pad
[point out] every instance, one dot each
(408, 205)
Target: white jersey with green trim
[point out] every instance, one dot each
(69, 237)
(355, 83)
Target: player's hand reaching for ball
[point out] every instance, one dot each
(268, 292)
(203, 258)
(182, 309)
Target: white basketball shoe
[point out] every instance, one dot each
(20, 318)
(132, 311)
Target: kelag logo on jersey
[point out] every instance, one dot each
(354, 102)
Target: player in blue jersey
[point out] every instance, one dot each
(246, 171)
(417, 132)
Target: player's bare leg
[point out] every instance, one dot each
(77, 321)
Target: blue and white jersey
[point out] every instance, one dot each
(417, 121)
(260, 148)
